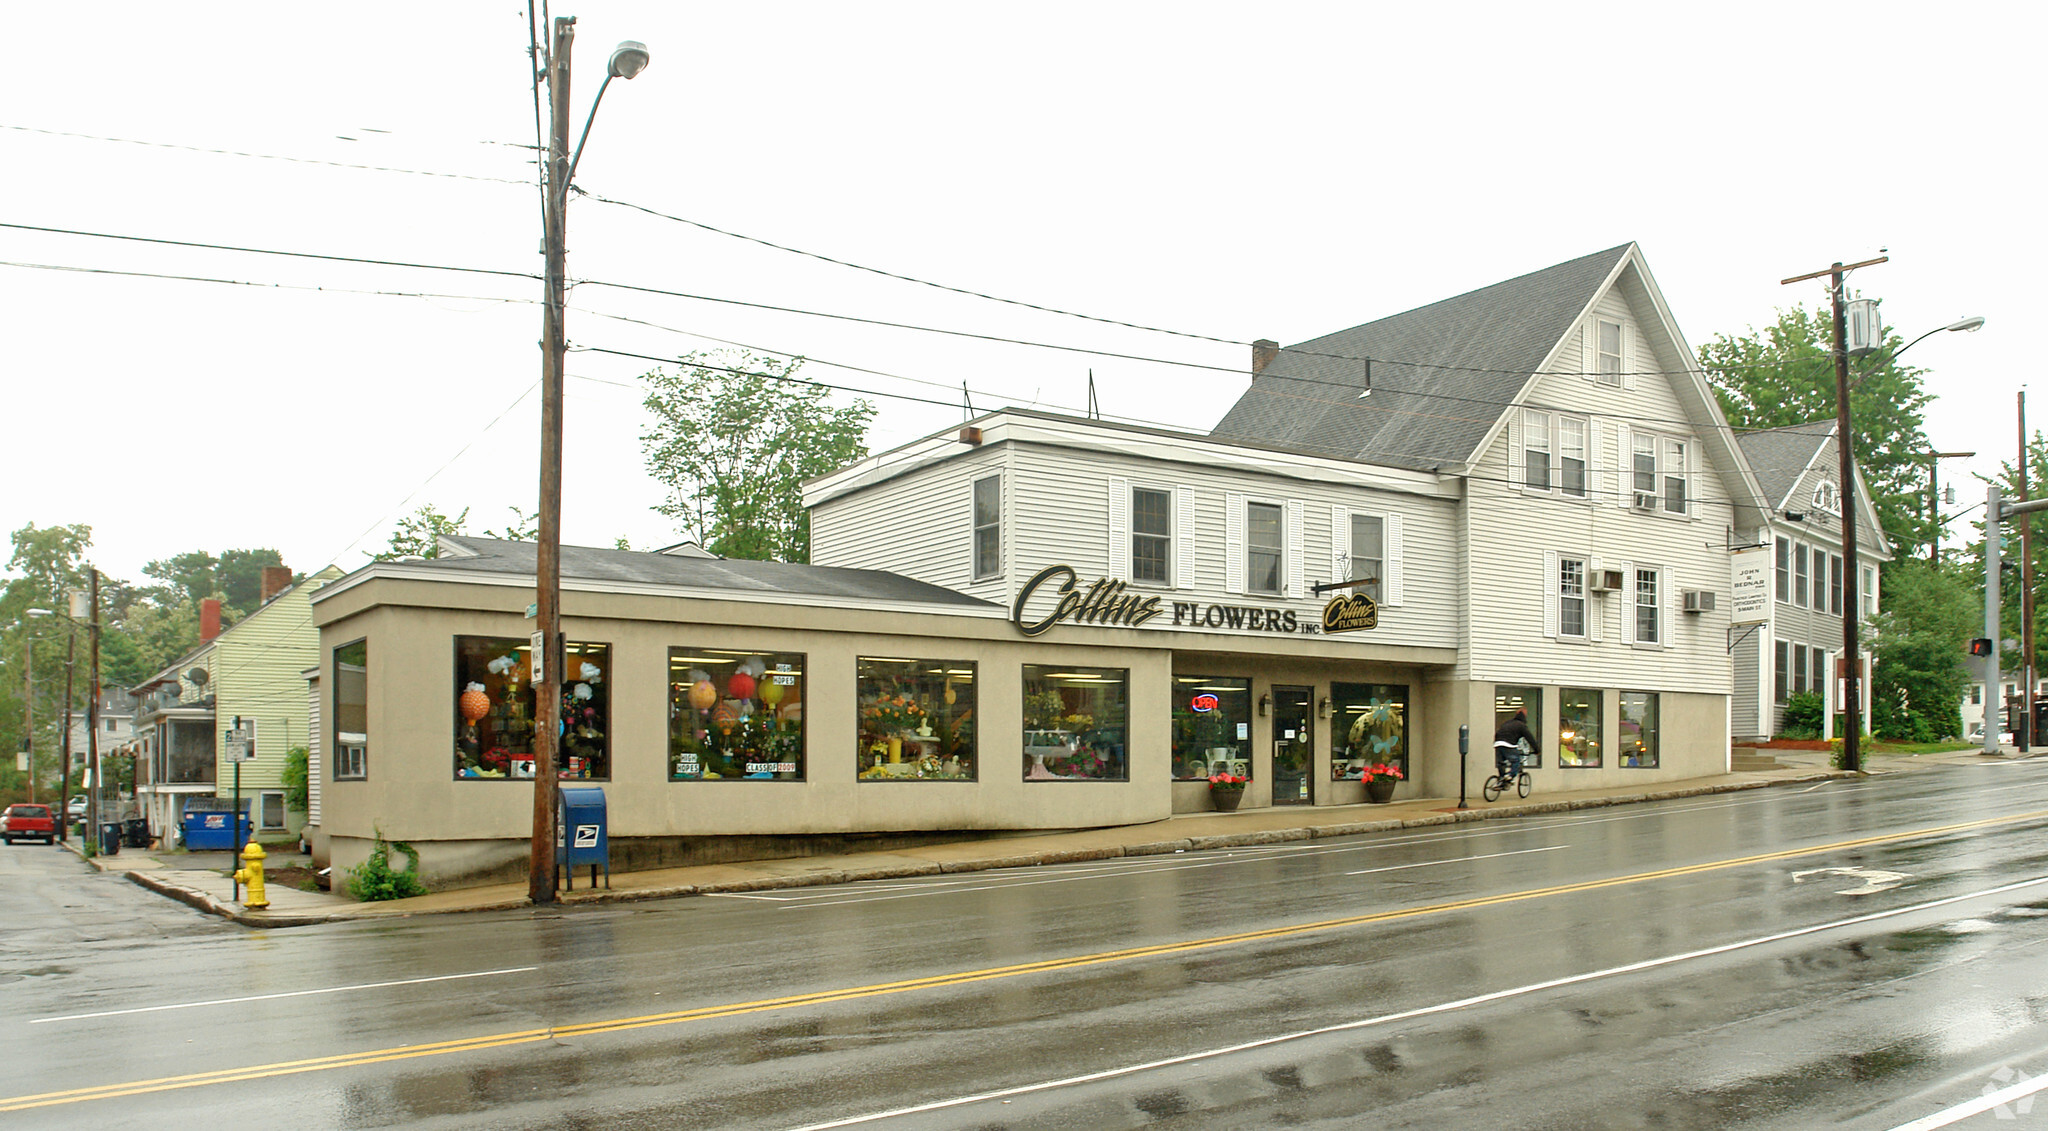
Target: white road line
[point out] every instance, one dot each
(1978, 1106)
(1431, 1010)
(1458, 860)
(294, 993)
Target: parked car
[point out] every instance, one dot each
(75, 809)
(1977, 735)
(28, 822)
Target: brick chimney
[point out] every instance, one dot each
(209, 619)
(276, 579)
(1263, 352)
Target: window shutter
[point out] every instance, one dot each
(1589, 350)
(1627, 601)
(1596, 471)
(1550, 594)
(1674, 604)
(1693, 487)
(1624, 466)
(1120, 529)
(1297, 544)
(1184, 536)
(1593, 617)
(1516, 477)
(1392, 588)
(1340, 543)
(1233, 543)
(1628, 355)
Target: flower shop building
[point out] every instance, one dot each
(1037, 622)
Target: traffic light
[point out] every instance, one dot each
(1981, 646)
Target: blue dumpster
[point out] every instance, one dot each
(209, 830)
(580, 833)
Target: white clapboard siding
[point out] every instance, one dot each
(313, 758)
(1185, 540)
(875, 529)
(1627, 600)
(1233, 542)
(1340, 543)
(1297, 543)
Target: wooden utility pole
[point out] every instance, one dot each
(547, 654)
(1852, 610)
(92, 724)
(64, 784)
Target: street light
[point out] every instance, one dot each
(627, 60)
(1971, 324)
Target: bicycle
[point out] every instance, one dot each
(1497, 785)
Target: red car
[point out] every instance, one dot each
(28, 822)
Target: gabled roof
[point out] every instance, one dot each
(1781, 456)
(738, 578)
(1442, 374)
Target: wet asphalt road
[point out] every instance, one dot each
(1782, 958)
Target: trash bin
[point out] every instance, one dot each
(110, 838)
(135, 832)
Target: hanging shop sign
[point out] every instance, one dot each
(1108, 603)
(1354, 613)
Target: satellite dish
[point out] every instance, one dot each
(198, 676)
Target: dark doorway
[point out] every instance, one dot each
(1293, 745)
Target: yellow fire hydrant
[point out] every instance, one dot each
(251, 875)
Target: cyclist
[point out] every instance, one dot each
(1507, 745)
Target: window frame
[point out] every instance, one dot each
(1532, 421)
(1165, 541)
(1781, 671)
(1835, 565)
(1784, 569)
(943, 744)
(1653, 608)
(1115, 756)
(355, 755)
(1252, 549)
(1607, 367)
(1353, 559)
(986, 562)
(1565, 704)
(1189, 725)
(1567, 599)
(1800, 574)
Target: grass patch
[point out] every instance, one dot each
(1879, 746)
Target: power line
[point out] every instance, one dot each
(269, 251)
(259, 286)
(265, 156)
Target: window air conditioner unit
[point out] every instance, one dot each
(1699, 601)
(1646, 500)
(1604, 580)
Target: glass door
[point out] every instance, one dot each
(1293, 745)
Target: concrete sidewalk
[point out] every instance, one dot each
(198, 879)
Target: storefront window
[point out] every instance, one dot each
(1639, 729)
(1075, 723)
(1506, 701)
(735, 716)
(916, 719)
(1578, 726)
(494, 709)
(1369, 726)
(1212, 729)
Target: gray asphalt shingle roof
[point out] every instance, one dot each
(1779, 456)
(737, 577)
(1442, 374)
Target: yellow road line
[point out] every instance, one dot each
(958, 978)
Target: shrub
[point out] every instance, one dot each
(1802, 716)
(375, 879)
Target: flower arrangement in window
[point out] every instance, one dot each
(898, 714)
(738, 716)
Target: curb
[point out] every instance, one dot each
(826, 877)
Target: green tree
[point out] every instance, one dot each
(418, 534)
(235, 577)
(1919, 639)
(1784, 374)
(734, 437)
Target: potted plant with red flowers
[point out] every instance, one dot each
(1226, 790)
(1380, 779)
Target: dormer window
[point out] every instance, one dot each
(1826, 499)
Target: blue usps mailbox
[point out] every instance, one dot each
(580, 833)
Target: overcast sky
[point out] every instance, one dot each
(1281, 171)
